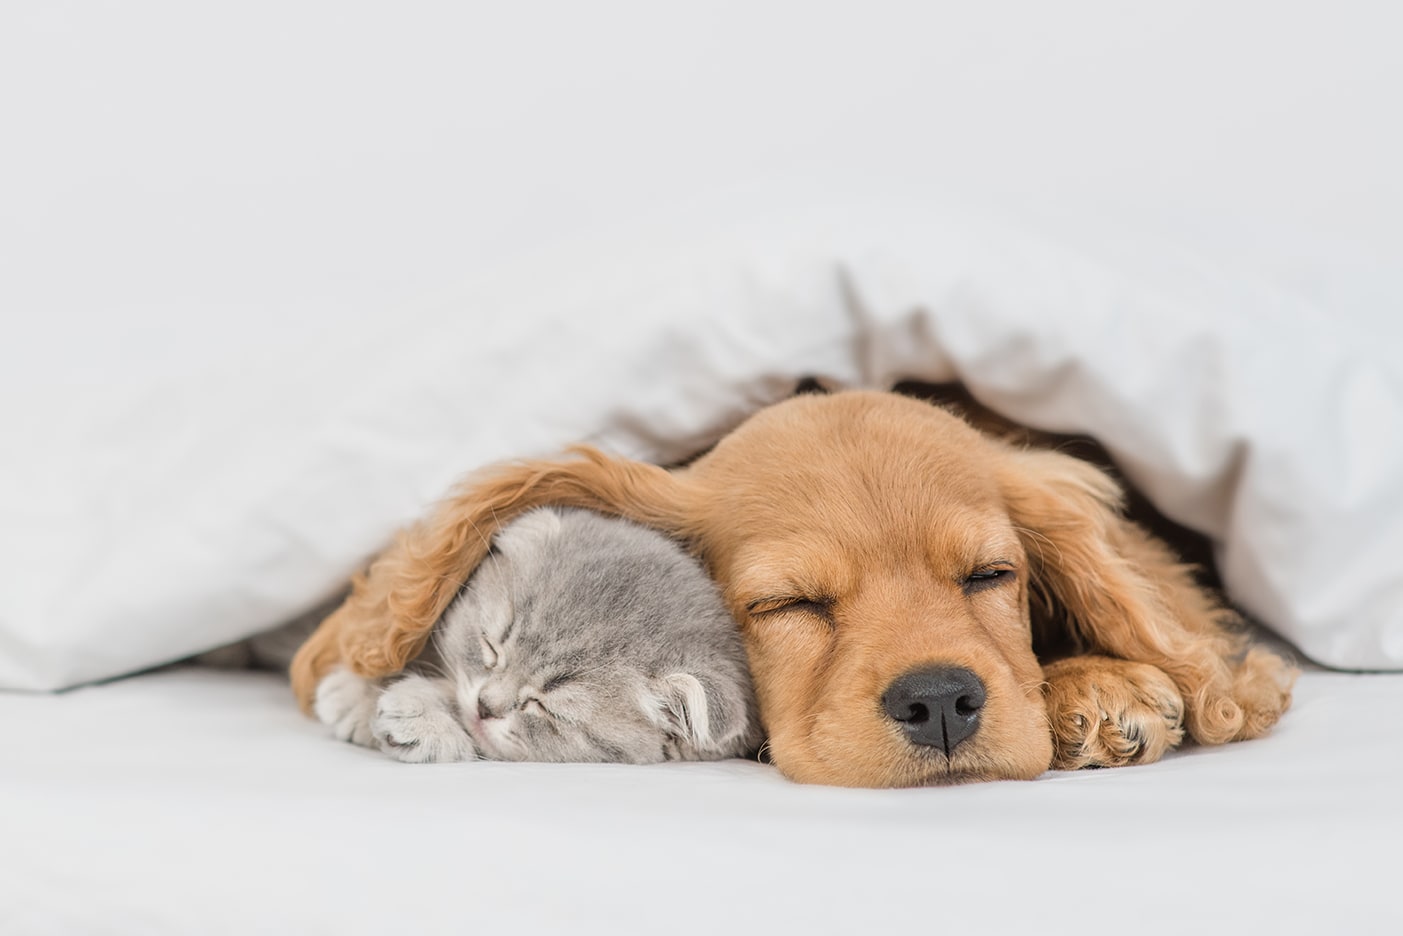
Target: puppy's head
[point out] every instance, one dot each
(865, 544)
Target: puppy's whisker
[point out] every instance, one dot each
(1036, 540)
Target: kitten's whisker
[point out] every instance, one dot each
(510, 582)
(430, 669)
(486, 541)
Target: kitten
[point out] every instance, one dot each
(580, 638)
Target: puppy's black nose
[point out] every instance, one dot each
(938, 707)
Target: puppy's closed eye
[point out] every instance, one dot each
(815, 607)
(988, 577)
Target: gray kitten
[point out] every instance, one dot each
(579, 638)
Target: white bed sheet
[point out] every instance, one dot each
(188, 801)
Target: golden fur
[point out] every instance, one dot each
(840, 529)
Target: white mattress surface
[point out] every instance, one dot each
(194, 801)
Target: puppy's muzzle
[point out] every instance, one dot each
(937, 707)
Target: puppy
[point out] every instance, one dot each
(891, 568)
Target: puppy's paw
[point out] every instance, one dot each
(414, 722)
(1110, 713)
(1262, 687)
(346, 702)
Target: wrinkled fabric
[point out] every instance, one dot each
(210, 523)
(270, 281)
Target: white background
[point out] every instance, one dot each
(174, 176)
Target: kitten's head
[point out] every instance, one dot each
(587, 638)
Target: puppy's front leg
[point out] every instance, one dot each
(1106, 712)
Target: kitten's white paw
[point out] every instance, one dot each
(414, 722)
(346, 702)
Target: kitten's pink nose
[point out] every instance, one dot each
(484, 709)
(495, 700)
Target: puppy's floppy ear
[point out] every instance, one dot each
(387, 618)
(1120, 592)
(1066, 512)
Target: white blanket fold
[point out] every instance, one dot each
(180, 517)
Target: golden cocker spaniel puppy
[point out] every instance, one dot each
(891, 568)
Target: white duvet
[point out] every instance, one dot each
(224, 389)
(231, 507)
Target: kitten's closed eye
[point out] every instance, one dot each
(558, 680)
(571, 594)
(491, 656)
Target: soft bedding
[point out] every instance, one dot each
(209, 517)
(192, 801)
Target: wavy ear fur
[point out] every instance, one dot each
(1117, 590)
(392, 607)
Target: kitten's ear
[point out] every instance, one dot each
(682, 710)
(541, 523)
